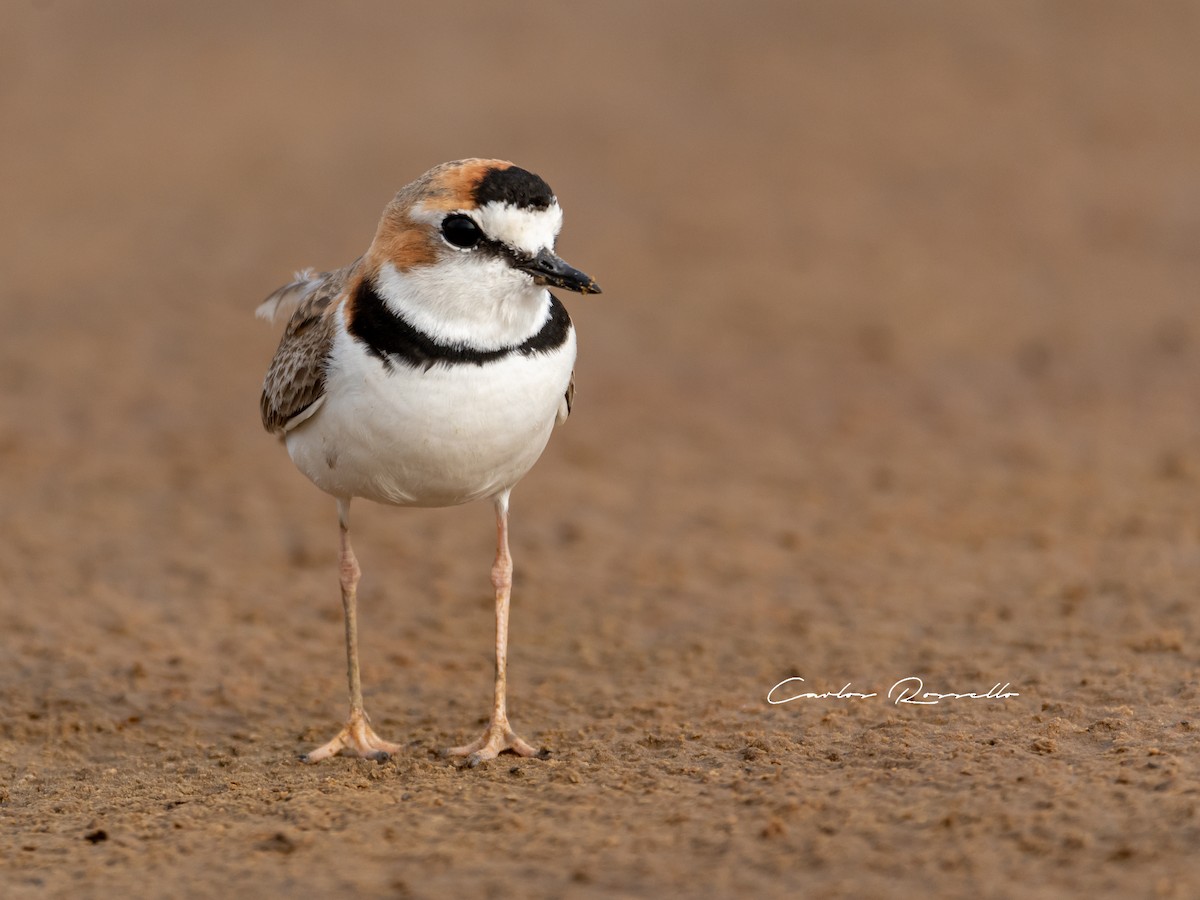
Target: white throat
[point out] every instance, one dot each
(473, 301)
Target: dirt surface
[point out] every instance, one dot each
(896, 373)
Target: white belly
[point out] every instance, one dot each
(436, 437)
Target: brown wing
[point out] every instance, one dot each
(295, 381)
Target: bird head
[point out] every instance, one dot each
(466, 251)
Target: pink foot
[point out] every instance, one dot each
(357, 738)
(496, 739)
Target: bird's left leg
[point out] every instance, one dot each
(499, 735)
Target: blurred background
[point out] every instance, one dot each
(896, 370)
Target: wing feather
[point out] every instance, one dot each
(568, 400)
(295, 383)
(285, 300)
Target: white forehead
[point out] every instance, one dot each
(521, 228)
(528, 230)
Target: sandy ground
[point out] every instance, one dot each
(896, 373)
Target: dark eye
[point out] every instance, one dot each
(461, 231)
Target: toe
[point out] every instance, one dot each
(498, 738)
(357, 738)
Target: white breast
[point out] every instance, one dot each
(436, 437)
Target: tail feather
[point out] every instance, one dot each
(284, 301)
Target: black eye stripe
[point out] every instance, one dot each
(461, 231)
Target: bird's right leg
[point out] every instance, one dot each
(357, 738)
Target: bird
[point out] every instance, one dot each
(430, 372)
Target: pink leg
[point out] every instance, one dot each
(357, 738)
(499, 735)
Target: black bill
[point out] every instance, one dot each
(546, 268)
